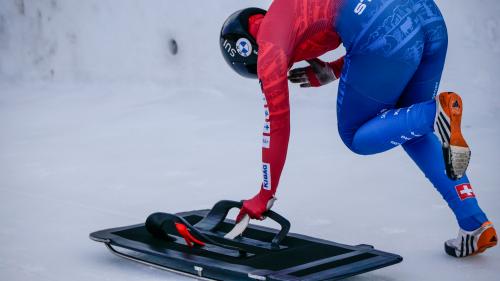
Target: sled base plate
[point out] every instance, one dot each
(299, 257)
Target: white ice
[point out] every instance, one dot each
(100, 125)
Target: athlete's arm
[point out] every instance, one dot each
(272, 71)
(273, 77)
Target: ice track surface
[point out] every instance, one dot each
(95, 146)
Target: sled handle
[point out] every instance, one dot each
(218, 214)
(285, 227)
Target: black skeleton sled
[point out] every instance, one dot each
(204, 244)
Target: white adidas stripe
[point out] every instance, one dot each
(445, 129)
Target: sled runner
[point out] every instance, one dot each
(197, 244)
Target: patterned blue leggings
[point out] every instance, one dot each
(396, 51)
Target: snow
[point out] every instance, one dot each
(100, 126)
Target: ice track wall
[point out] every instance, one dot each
(128, 40)
(112, 40)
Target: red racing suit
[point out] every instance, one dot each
(291, 31)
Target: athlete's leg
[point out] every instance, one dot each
(380, 74)
(370, 120)
(395, 127)
(383, 53)
(426, 151)
(366, 97)
(366, 86)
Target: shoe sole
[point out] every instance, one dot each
(484, 248)
(489, 234)
(447, 127)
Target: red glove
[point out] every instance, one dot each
(257, 206)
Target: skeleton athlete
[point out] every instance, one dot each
(387, 95)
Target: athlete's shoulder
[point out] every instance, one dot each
(277, 33)
(306, 7)
(279, 20)
(288, 18)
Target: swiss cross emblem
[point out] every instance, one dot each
(464, 191)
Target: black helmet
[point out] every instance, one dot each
(239, 48)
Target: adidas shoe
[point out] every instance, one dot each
(447, 124)
(469, 243)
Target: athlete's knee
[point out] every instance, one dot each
(348, 138)
(359, 151)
